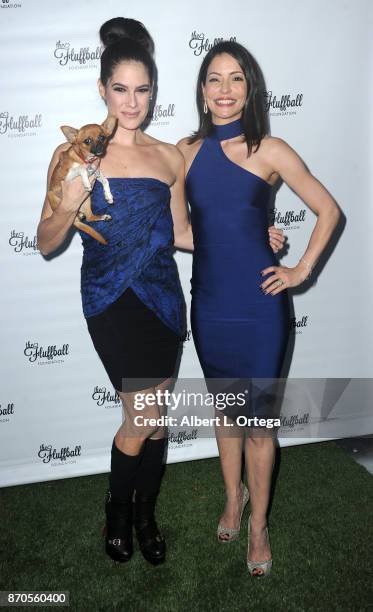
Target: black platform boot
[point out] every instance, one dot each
(118, 532)
(151, 542)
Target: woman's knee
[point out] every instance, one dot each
(259, 440)
(141, 425)
(141, 419)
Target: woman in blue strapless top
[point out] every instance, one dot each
(240, 308)
(131, 294)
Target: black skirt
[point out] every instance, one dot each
(137, 349)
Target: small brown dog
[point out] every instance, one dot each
(87, 145)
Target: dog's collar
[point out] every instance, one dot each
(84, 160)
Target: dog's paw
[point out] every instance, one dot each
(110, 200)
(106, 217)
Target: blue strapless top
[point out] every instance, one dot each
(139, 253)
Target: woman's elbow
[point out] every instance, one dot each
(41, 244)
(43, 250)
(335, 214)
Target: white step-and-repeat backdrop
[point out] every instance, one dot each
(58, 411)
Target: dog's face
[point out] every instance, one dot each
(92, 138)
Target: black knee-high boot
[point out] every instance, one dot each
(118, 505)
(147, 483)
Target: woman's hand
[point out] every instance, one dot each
(276, 238)
(283, 278)
(74, 194)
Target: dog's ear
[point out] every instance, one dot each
(70, 133)
(109, 124)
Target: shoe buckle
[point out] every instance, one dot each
(115, 542)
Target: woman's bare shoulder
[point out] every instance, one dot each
(184, 145)
(273, 144)
(164, 147)
(170, 154)
(189, 149)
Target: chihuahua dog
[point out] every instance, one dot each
(87, 146)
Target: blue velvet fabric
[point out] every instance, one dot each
(139, 253)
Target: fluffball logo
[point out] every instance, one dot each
(23, 125)
(47, 453)
(8, 4)
(297, 325)
(294, 420)
(199, 43)
(34, 352)
(182, 438)
(21, 243)
(5, 412)
(82, 57)
(162, 114)
(282, 105)
(289, 218)
(105, 397)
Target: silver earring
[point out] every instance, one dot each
(205, 109)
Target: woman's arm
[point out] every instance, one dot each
(292, 170)
(54, 225)
(182, 227)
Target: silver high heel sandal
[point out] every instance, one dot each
(264, 566)
(231, 532)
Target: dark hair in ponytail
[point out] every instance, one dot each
(254, 116)
(125, 40)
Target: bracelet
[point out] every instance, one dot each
(308, 266)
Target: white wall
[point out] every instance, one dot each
(319, 54)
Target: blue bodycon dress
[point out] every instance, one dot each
(239, 332)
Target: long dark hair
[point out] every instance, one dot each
(254, 117)
(125, 40)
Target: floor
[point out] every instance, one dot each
(360, 449)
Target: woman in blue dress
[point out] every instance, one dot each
(240, 309)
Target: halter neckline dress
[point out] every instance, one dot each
(239, 333)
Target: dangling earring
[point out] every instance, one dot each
(205, 109)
